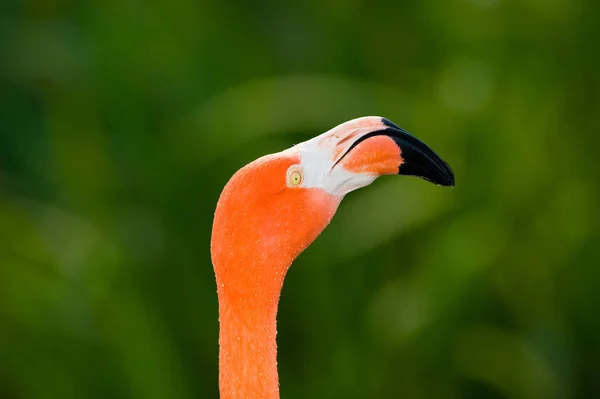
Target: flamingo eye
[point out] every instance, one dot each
(295, 176)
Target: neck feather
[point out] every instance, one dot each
(247, 345)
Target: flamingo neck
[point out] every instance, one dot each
(247, 345)
(255, 238)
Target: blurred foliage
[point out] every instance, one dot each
(122, 121)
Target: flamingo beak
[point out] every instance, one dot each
(352, 155)
(391, 150)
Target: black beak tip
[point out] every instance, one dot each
(419, 160)
(446, 177)
(435, 171)
(450, 182)
(446, 180)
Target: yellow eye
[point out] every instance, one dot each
(294, 177)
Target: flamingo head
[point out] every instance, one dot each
(274, 207)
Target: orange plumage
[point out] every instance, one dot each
(264, 220)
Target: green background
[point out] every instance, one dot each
(122, 120)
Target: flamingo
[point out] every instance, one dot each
(270, 211)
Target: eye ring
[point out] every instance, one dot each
(294, 177)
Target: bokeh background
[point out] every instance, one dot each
(122, 120)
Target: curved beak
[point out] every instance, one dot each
(352, 155)
(415, 158)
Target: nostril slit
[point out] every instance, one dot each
(345, 139)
